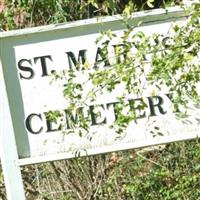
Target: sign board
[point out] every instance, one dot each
(29, 57)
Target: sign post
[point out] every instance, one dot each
(8, 151)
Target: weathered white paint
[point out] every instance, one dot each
(106, 149)
(38, 96)
(8, 150)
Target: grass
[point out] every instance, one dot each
(170, 173)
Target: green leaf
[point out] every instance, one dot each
(150, 3)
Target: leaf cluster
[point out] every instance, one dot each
(139, 62)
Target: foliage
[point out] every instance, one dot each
(168, 180)
(27, 13)
(178, 65)
(170, 172)
(168, 63)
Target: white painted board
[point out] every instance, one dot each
(30, 56)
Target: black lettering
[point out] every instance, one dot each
(43, 60)
(120, 53)
(167, 42)
(50, 124)
(170, 97)
(138, 105)
(24, 65)
(115, 108)
(73, 62)
(95, 116)
(29, 124)
(101, 57)
(73, 119)
(158, 104)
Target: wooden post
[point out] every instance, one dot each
(8, 149)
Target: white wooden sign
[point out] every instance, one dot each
(29, 57)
